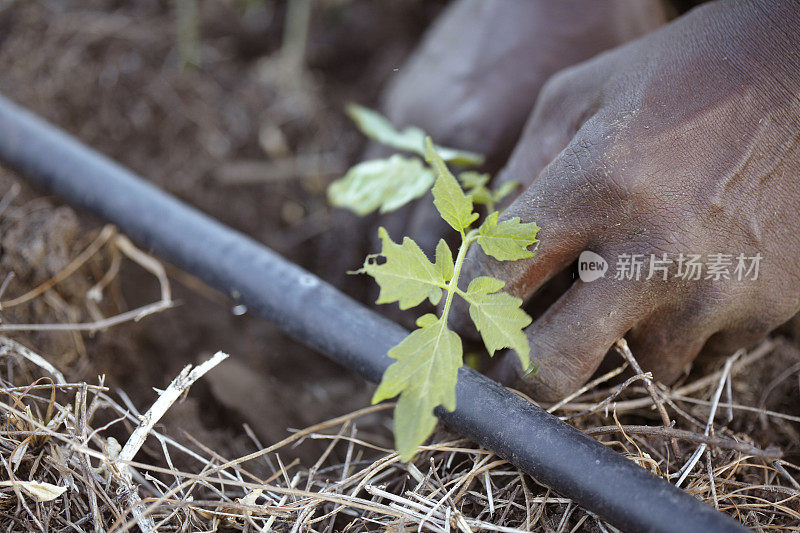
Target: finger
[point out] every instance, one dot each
(725, 343)
(559, 115)
(667, 342)
(570, 340)
(567, 201)
(668, 349)
(488, 73)
(565, 103)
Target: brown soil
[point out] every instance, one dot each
(253, 144)
(233, 137)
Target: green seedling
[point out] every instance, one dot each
(427, 360)
(474, 184)
(385, 185)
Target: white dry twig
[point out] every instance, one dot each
(726, 372)
(179, 385)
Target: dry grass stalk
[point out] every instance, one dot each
(121, 244)
(53, 435)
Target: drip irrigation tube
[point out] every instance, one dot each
(315, 313)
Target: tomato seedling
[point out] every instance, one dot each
(427, 360)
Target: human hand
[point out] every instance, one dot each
(473, 81)
(686, 141)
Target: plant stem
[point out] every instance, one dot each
(188, 18)
(295, 33)
(452, 287)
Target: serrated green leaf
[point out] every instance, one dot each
(498, 317)
(444, 260)
(406, 276)
(411, 139)
(453, 205)
(508, 240)
(504, 190)
(424, 376)
(381, 184)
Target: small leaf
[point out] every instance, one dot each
(444, 260)
(481, 195)
(498, 317)
(454, 206)
(40, 492)
(407, 276)
(411, 139)
(381, 184)
(508, 240)
(504, 190)
(462, 158)
(471, 179)
(424, 376)
(485, 284)
(426, 320)
(377, 127)
(475, 186)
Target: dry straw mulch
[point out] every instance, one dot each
(63, 472)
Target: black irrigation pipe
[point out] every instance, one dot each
(320, 316)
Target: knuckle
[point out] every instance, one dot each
(557, 100)
(580, 182)
(553, 90)
(561, 84)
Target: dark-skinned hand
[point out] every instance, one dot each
(685, 141)
(473, 82)
(474, 79)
